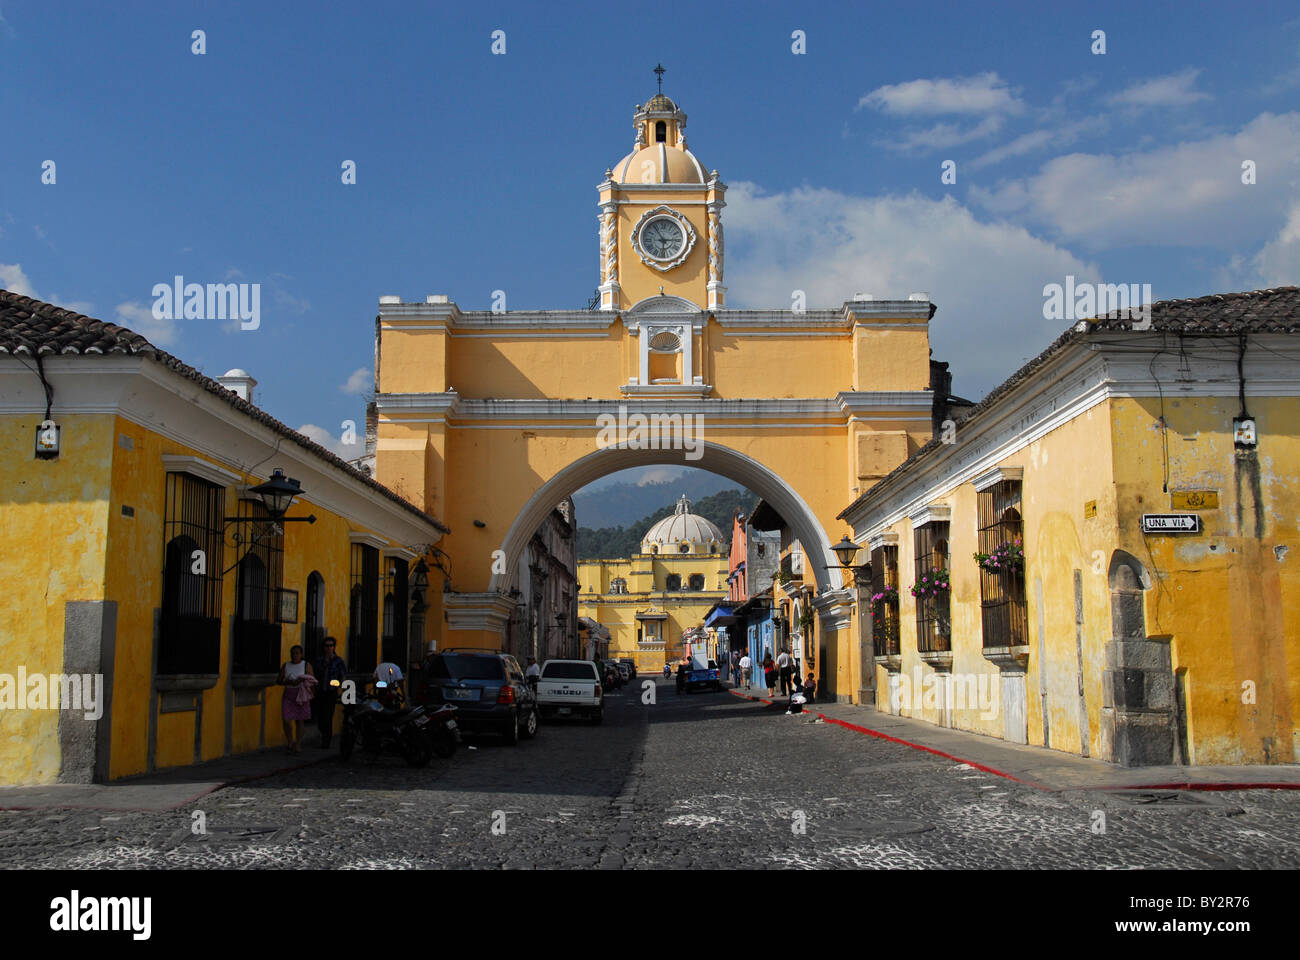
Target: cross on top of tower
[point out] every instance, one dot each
(660, 71)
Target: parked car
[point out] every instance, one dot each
(486, 687)
(624, 671)
(700, 677)
(631, 666)
(570, 688)
(614, 678)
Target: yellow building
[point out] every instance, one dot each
(488, 418)
(1148, 471)
(143, 626)
(649, 600)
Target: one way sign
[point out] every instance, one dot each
(1171, 523)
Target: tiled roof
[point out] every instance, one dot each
(31, 327)
(1276, 310)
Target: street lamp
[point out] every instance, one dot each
(277, 496)
(846, 550)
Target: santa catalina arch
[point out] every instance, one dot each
(489, 418)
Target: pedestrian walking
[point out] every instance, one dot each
(769, 673)
(681, 676)
(783, 664)
(735, 667)
(331, 672)
(298, 680)
(746, 669)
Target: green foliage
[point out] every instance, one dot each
(612, 542)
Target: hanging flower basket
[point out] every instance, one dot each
(1005, 558)
(932, 584)
(888, 595)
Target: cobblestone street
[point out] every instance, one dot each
(702, 780)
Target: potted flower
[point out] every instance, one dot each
(932, 584)
(887, 595)
(1006, 557)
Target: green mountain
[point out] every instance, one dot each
(620, 541)
(623, 502)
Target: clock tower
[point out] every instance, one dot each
(660, 217)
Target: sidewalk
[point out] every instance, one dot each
(1040, 767)
(164, 790)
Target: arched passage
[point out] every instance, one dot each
(716, 459)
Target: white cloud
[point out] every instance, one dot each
(943, 135)
(1174, 90)
(138, 317)
(14, 280)
(982, 93)
(1038, 140)
(986, 278)
(1278, 263)
(1185, 194)
(348, 451)
(359, 382)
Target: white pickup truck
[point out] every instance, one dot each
(569, 688)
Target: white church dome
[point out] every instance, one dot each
(683, 532)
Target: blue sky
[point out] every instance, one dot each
(477, 172)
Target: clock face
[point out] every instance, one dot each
(662, 238)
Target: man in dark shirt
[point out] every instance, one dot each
(331, 672)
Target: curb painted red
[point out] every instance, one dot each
(938, 753)
(1030, 783)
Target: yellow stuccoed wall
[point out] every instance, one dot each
(617, 612)
(51, 555)
(1058, 541)
(1227, 598)
(64, 534)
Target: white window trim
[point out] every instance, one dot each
(198, 467)
(931, 513)
(995, 476)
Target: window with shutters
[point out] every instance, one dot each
(190, 621)
(363, 610)
(930, 588)
(884, 601)
(256, 634)
(1002, 572)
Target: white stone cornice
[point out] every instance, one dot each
(995, 476)
(856, 310)
(931, 513)
(667, 390)
(477, 611)
(402, 553)
(203, 469)
(886, 538)
(860, 402)
(367, 539)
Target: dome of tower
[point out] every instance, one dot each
(683, 529)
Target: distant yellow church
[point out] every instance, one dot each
(647, 601)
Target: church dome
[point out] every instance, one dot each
(660, 103)
(683, 532)
(659, 154)
(659, 163)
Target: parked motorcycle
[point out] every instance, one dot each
(382, 721)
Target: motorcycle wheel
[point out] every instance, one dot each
(415, 747)
(444, 745)
(347, 740)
